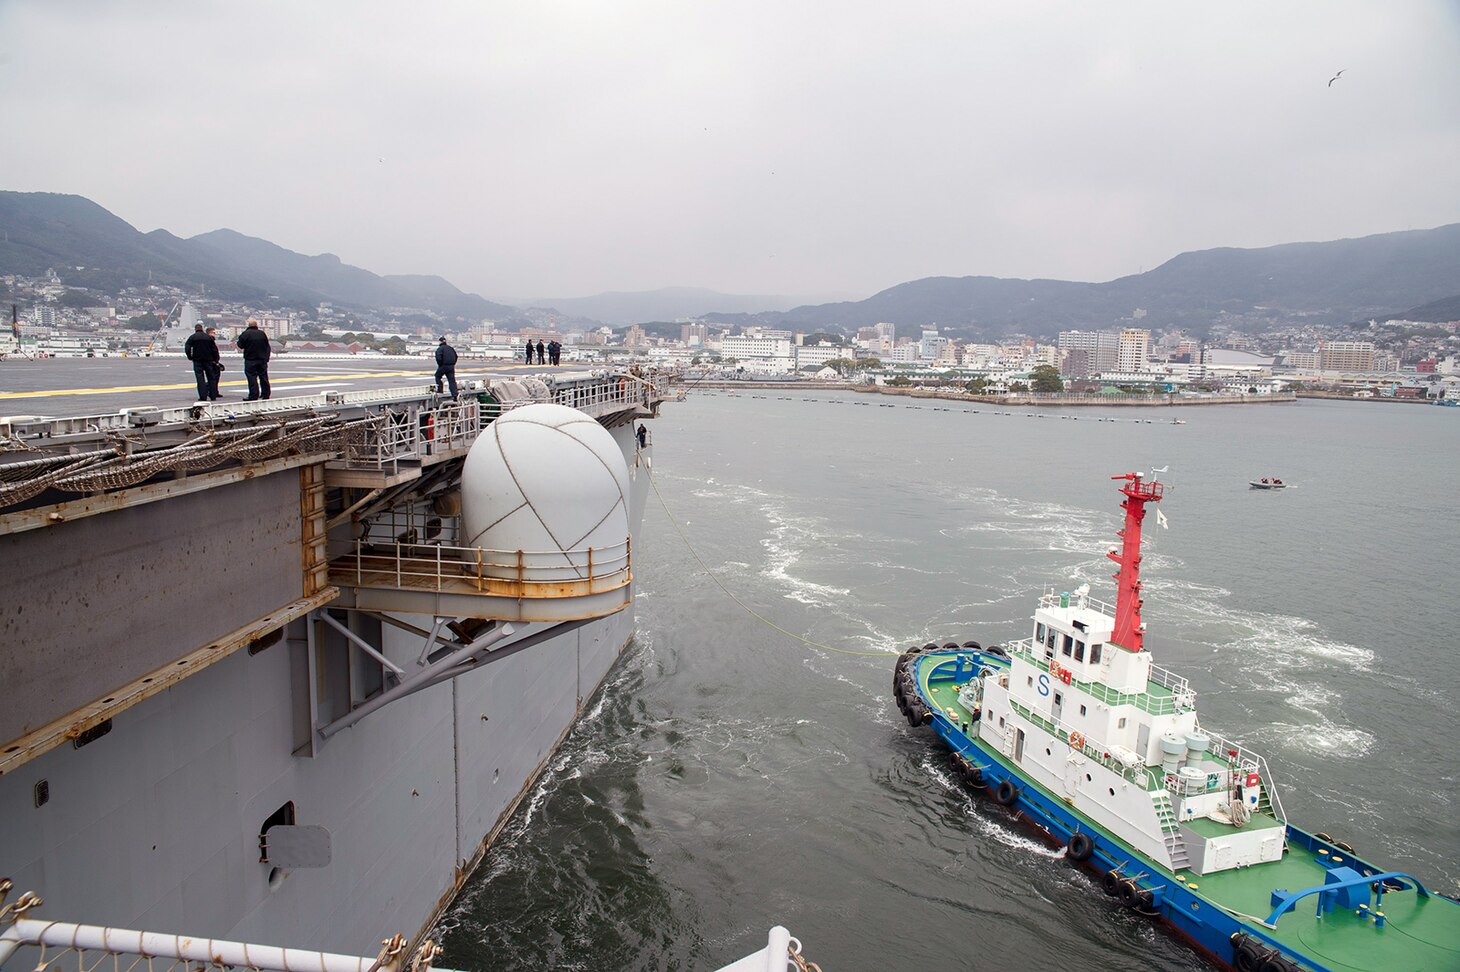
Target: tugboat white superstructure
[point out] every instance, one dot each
(1078, 729)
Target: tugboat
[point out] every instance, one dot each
(1076, 731)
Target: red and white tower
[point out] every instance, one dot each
(1129, 631)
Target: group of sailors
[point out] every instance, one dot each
(551, 353)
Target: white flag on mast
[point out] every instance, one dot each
(1161, 519)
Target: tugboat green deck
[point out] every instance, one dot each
(1075, 729)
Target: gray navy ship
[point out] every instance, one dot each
(278, 671)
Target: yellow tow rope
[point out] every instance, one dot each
(731, 594)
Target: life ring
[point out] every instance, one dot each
(1081, 846)
(1077, 740)
(1006, 794)
(1054, 668)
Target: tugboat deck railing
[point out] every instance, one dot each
(1168, 695)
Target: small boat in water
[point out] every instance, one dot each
(1080, 735)
(1267, 483)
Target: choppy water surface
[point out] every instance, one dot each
(729, 778)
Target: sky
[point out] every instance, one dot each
(817, 149)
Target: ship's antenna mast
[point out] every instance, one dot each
(1129, 631)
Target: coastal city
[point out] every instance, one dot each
(1395, 359)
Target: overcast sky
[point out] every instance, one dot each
(551, 149)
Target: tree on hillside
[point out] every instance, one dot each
(977, 386)
(144, 322)
(1046, 378)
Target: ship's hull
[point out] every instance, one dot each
(157, 824)
(1132, 878)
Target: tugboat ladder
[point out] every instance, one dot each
(1170, 830)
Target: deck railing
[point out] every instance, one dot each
(1053, 599)
(411, 432)
(1091, 749)
(1145, 701)
(1246, 761)
(507, 573)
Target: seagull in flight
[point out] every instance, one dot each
(1335, 77)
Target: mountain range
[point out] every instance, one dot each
(1334, 282)
(1413, 274)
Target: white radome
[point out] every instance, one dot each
(551, 482)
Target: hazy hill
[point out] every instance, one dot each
(665, 304)
(50, 230)
(1333, 282)
(1436, 312)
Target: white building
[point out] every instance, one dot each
(1101, 348)
(759, 353)
(818, 354)
(1133, 349)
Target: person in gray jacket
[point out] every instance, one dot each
(255, 347)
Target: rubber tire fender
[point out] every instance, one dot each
(1081, 846)
(1006, 794)
(996, 651)
(1246, 960)
(973, 646)
(1246, 952)
(1130, 894)
(1110, 884)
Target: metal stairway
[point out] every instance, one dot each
(1170, 830)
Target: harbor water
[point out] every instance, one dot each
(730, 777)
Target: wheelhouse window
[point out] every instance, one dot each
(1049, 639)
(1079, 651)
(1068, 645)
(1095, 654)
(1039, 632)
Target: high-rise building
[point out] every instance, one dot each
(1133, 351)
(693, 335)
(1347, 355)
(1101, 348)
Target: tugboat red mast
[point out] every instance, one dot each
(1129, 632)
